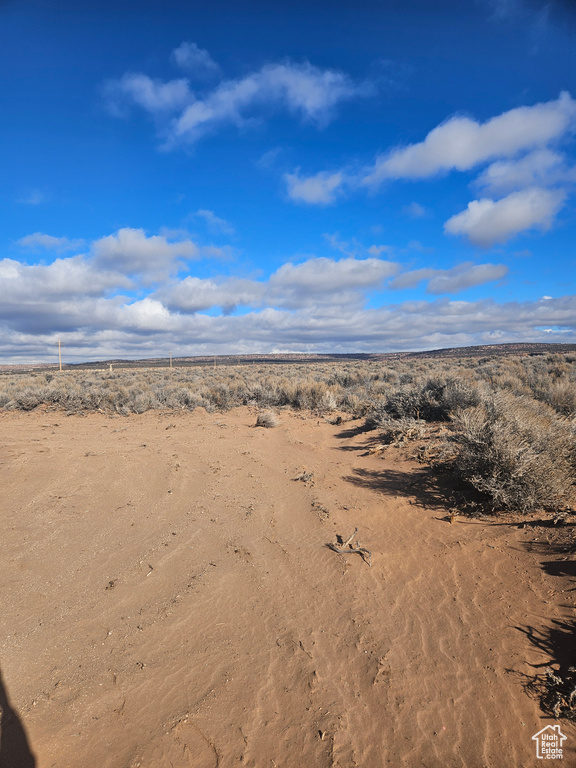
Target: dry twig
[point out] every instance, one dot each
(348, 546)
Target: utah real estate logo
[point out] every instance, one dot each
(549, 743)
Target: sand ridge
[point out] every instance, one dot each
(169, 600)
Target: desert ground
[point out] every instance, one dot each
(168, 600)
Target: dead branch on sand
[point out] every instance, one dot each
(348, 546)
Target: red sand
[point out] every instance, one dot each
(168, 600)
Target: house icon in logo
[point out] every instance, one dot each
(549, 743)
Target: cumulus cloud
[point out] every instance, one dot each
(38, 240)
(106, 328)
(317, 282)
(321, 189)
(131, 251)
(147, 314)
(327, 276)
(461, 143)
(466, 276)
(63, 295)
(97, 304)
(314, 282)
(543, 167)
(459, 278)
(522, 167)
(75, 276)
(486, 222)
(194, 60)
(193, 294)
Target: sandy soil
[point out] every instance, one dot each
(168, 599)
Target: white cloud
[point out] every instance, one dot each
(101, 329)
(486, 222)
(466, 276)
(532, 176)
(10, 269)
(152, 95)
(325, 279)
(302, 89)
(543, 167)
(459, 278)
(461, 143)
(523, 168)
(131, 251)
(319, 282)
(96, 327)
(316, 305)
(63, 295)
(214, 222)
(315, 282)
(147, 315)
(39, 240)
(413, 278)
(75, 276)
(193, 294)
(321, 189)
(195, 60)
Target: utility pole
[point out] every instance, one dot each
(60, 354)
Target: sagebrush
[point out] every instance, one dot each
(511, 417)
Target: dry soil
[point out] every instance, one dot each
(168, 600)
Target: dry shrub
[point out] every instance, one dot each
(432, 400)
(377, 414)
(517, 452)
(558, 692)
(400, 431)
(429, 389)
(267, 419)
(329, 401)
(458, 392)
(561, 396)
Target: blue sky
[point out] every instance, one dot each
(241, 177)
